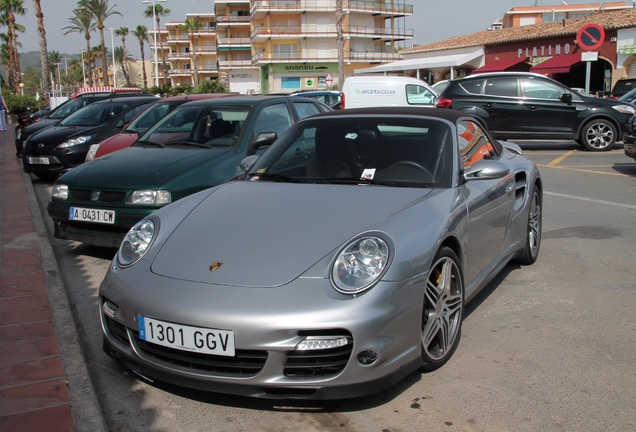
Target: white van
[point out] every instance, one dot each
(378, 91)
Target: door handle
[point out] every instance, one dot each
(510, 188)
(533, 107)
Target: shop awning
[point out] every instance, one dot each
(431, 62)
(503, 65)
(557, 64)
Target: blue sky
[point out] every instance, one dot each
(432, 20)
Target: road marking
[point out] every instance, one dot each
(561, 158)
(615, 204)
(582, 170)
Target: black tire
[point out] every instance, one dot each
(442, 311)
(598, 135)
(534, 225)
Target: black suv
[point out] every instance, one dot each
(623, 86)
(531, 106)
(59, 148)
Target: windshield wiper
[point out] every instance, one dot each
(353, 181)
(150, 143)
(186, 143)
(274, 177)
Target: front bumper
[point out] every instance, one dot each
(96, 234)
(49, 159)
(268, 324)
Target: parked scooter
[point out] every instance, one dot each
(23, 117)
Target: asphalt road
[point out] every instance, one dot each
(549, 347)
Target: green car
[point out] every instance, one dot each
(197, 146)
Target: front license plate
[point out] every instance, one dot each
(186, 338)
(92, 215)
(38, 160)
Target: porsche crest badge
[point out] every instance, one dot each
(215, 266)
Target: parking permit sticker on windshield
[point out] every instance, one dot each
(368, 174)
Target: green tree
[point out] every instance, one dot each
(122, 58)
(122, 32)
(141, 32)
(8, 11)
(100, 11)
(82, 22)
(192, 26)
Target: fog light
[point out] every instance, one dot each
(322, 342)
(109, 309)
(367, 357)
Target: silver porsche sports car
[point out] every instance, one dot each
(338, 264)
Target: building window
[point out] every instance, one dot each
(290, 83)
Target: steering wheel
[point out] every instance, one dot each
(411, 164)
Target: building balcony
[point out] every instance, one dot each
(204, 49)
(233, 42)
(312, 56)
(228, 64)
(260, 8)
(263, 33)
(178, 56)
(208, 68)
(180, 72)
(172, 39)
(232, 20)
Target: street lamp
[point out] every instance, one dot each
(83, 67)
(112, 46)
(22, 88)
(154, 29)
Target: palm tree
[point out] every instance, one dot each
(100, 11)
(192, 26)
(122, 32)
(141, 32)
(82, 22)
(9, 9)
(122, 58)
(159, 11)
(44, 65)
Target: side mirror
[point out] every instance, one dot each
(263, 139)
(248, 162)
(486, 169)
(566, 98)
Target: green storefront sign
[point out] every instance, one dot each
(305, 68)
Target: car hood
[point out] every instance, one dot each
(42, 124)
(55, 135)
(121, 140)
(139, 167)
(266, 234)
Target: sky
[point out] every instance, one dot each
(432, 20)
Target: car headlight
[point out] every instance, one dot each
(149, 197)
(360, 264)
(625, 109)
(91, 152)
(60, 191)
(136, 243)
(75, 141)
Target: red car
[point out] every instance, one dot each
(143, 121)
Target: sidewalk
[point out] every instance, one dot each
(44, 380)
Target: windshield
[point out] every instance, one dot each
(68, 108)
(150, 117)
(363, 150)
(95, 114)
(201, 125)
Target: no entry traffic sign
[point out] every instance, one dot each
(590, 37)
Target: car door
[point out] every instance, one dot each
(546, 113)
(489, 202)
(502, 103)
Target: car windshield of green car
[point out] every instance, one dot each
(207, 126)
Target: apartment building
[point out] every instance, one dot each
(234, 46)
(266, 46)
(295, 46)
